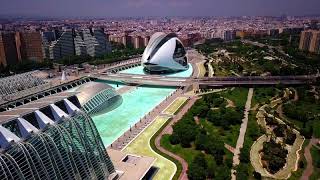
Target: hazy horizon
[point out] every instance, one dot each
(157, 8)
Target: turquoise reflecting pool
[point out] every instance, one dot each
(136, 103)
(139, 70)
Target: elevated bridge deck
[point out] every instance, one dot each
(206, 81)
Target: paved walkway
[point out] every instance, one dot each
(168, 130)
(211, 72)
(230, 148)
(309, 170)
(242, 133)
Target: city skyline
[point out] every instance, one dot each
(143, 8)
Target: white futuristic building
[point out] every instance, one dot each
(98, 98)
(164, 53)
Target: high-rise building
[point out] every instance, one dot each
(127, 40)
(314, 24)
(30, 46)
(229, 35)
(96, 42)
(53, 139)
(146, 40)
(64, 46)
(91, 42)
(273, 32)
(80, 46)
(8, 49)
(138, 42)
(315, 42)
(49, 35)
(310, 41)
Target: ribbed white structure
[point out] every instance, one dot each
(58, 141)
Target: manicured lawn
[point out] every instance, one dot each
(316, 127)
(237, 95)
(304, 112)
(221, 134)
(262, 95)
(219, 71)
(141, 146)
(202, 69)
(186, 153)
(316, 163)
(228, 136)
(175, 106)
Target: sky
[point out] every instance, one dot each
(162, 8)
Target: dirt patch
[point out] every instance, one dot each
(230, 103)
(196, 119)
(296, 96)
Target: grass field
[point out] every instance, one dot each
(262, 95)
(237, 95)
(141, 146)
(186, 153)
(229, 136)
(316, 163)
(202, 69)
(175, 105)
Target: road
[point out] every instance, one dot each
(309, 169)
(207, 81)
(243, 129)
(168, 130)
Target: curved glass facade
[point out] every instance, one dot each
(102, 102)
(47, 148)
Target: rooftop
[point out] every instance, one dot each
(89, 90)
(132, 166)
(32, 106)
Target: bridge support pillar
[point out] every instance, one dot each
(195, 87)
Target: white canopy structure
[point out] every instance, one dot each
(164, 53)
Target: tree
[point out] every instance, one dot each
(257, 175)
(212, 166)
(222, 174)
(200, 108)
(215, 147)
(184, 131)
(198, 168)
(242, 171)
(201, 141)
(280, 130)
(245, 154)
(232, 117)
(275, 156)
(290, 137)
(254, 130)
(307, 132)
(174, 139)
(214, 116)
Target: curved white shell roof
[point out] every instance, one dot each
(159, 53)
(89, 90)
